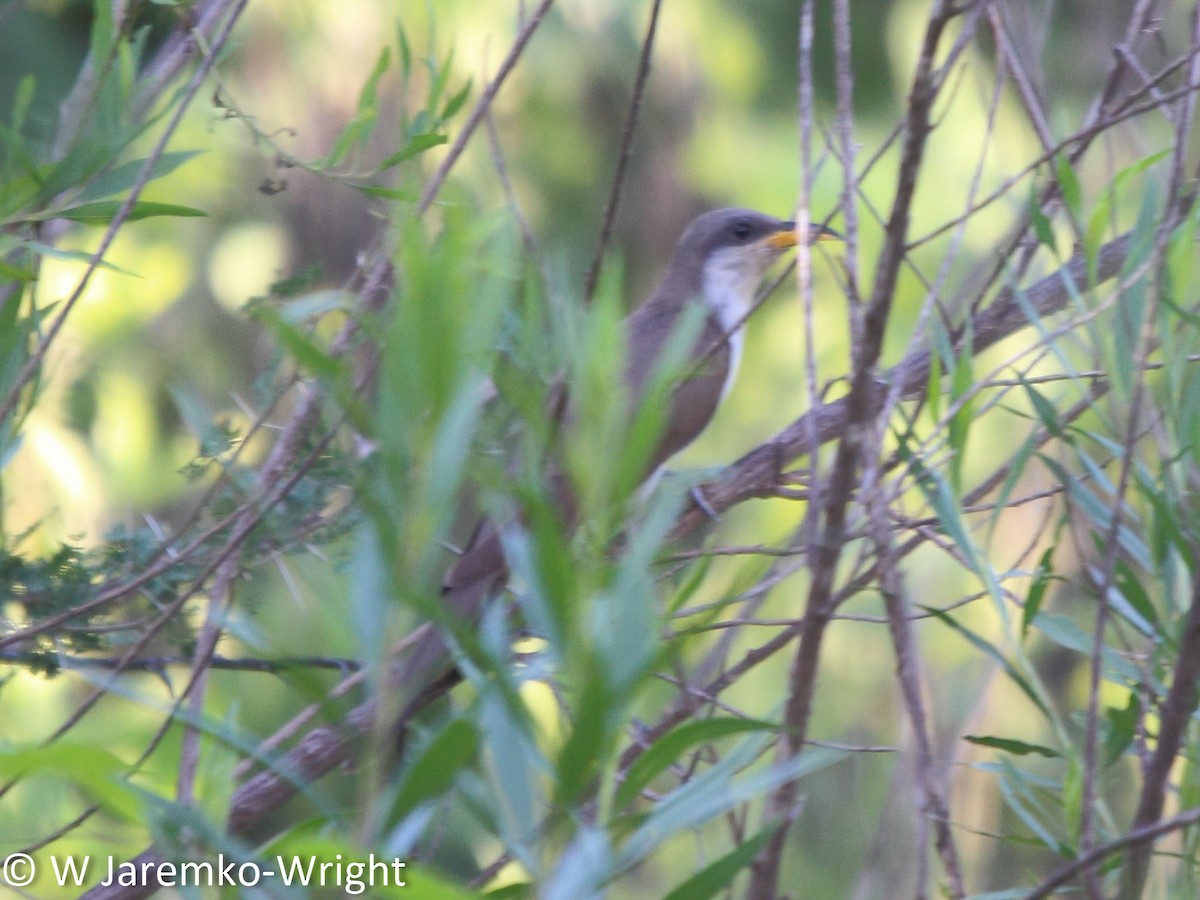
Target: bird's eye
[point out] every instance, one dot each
(741, 230)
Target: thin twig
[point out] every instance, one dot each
(481, 106)
(623, 154)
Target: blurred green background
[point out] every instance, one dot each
(164, 345)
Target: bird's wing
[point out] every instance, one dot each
(695, 398)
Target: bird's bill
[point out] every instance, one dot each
(822, 233)
(787, 237)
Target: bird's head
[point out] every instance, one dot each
(732, 250)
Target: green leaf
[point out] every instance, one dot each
(945, 503)
(668, 748)
(95, 771)
(1037, 590)
(1041, 224)
(454, 104)
(78, 256)
(22, 99)
(583, 869)
(122, 177)
(933, 389)
(360, 128)
(309, 307)
(405, 51)
(417, 144)
(713, 878)
(716, 791)
(300, 345)
(1016, 468)
(1181, 260)
(959, 427)
(101, 212)
(386, 193)
(15, 273)
(589, 736)
(1008, 745)
(1126, 581)
(1017, 793)
(433, 772)
(1122, 726)
(980, 643)
(1068, 183)
(1047, 412)
(368, 98)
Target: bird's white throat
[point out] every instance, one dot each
(729, 281)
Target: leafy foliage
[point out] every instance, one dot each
(988, 586)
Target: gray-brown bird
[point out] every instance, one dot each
(718, 263)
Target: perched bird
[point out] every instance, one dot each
(719, 263)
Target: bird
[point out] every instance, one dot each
(719, 262)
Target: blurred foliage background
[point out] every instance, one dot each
(162, 347)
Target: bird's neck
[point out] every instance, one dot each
(728, 287)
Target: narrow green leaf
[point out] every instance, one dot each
(933, 389)
(433, 772)
(101, 212)
(1041, 224)
(1009, 745)
(405, 51)
(676, 742)
(1181, 261)
(1037, 590)
(1068, 183)
(454, 104)
(15, 273)
(1122, 726)
(589, 735)
(22, 99)
(714, 877)
(1020, 799)
(308, 307)
(1064, 632)
(1016, 468)
(386, 193)
(1047, 412)
(417, 144)
(716, 791)
(307, 353)
(103, 31)
(78, 256)
(980, 643)
(1131, 589)
(121, 178)
(583, 868)
(95, 771)
(946, 506)
(696, 574)
(961, 381)
(368, 98)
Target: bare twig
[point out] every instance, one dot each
(623, 154)
(482, 105)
